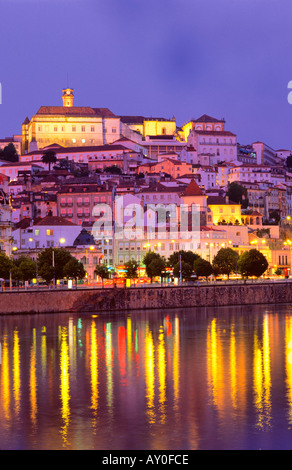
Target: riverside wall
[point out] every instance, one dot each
(143, 298)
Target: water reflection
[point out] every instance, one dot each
(161, 380)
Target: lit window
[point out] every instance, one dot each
(49, 232)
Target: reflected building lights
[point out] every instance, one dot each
(161, 373)
(262, 377)
(5, 382)
(288, 365)
(176, 363)
(109, 364)
(33, 381)
(64, 382)
(94, 370)
(16, 372)
(149, 376)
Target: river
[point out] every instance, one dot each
(204, 378)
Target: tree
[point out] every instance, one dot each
(102, 271)
(289, 162)
(132, 269)
(225, 262)
(23, 269)
(203, 268)
(188, 257)
(49, 157)
(74, 269)
(113, 169)
(252, 263)
(237, 193)
(186, 270)
(9, 153)
(46, 270)
(154, 264)
(5, 266)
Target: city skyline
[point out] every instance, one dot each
(152, 59)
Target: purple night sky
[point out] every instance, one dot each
(225, 58)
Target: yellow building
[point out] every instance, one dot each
(150, 126)
(224, 211)
(69, 126)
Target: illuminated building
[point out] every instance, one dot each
(69, 125)
(5, 225)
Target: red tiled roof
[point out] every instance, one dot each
(193, 189)
(52, 220)
(206, 118)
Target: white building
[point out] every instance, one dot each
(210, 139)
(45, 233)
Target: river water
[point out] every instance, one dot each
(204, 378)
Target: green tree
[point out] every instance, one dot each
(237, 193)
(102, 271)
(60, 257)
(74, 269)
(154, 264)
(225, 261)
(132, 269)
(5, 266)
(49, 157)
(186, 270)
(188, 257)
(252, 263)
(23, 269)
(9, 153)
(203, 268)
(113, 169)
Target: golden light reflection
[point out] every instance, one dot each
(288, 365)
(5, 382)
(233, 368)
(64, 382)
(109, 364)
(16, 372)
(176, 363)
(161, 374)
(94, 368)
(44, 351)
(262, 377)
(33, 380)
(214, 364)
(149, 376)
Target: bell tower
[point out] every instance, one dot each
(68, 97)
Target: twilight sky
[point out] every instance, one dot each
(226, 58)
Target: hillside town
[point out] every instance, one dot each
(72, 165)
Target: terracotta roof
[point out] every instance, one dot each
(52, 220)
(206, 118)
(193, 189)
(224, 133)
(93, 148)
(219, 200)
(25, 223)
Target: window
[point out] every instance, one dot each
(49, 232)
(82, 128)
(55, 129)
(114, 130)
(92, 129)
(73, 128)
(37, 232)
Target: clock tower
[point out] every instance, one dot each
(68, 97)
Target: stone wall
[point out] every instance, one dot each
(143, 298)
